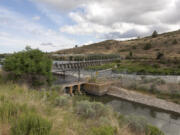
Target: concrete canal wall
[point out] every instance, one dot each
(144, 99)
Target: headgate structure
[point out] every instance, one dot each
(60, 68)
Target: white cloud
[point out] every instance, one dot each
(17, 31)
(121, 17)
(36, 18)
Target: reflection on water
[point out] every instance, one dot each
(168, 123)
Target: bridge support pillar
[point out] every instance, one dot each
(79, 89)
(71, 90)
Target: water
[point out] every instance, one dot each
(166, 122)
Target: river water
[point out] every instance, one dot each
(166, 122)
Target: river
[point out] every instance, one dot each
(166, 122)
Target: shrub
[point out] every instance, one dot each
(147, 46)
(137, 124)
(84, 108)
(160, 81)
(174, 41)
(156, 66)
(99, 108)
(103, 130)
(153, 88)
(133, 86)
(31, 124)
(90, 109)
(30, 64)
(134, 47)
(159, 55)
(154, 34)
(130, 54)
(61, 101)
(151, 130)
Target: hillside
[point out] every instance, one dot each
(167, 43)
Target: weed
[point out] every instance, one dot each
(62, 101)
(103, 130)
(31, 124)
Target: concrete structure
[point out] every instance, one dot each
(144, 99)
(107, 89)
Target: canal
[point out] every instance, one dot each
(166, 122)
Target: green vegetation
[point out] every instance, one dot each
(61, 101)
(142, 68)
(91, 109)
(31, 112)
(104, 130)
(151, 130)
(159, 55)
(147, 46)
(139, 125)
(31, 124)
(154, 34)
(174, 42)
(30, 65)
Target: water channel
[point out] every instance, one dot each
(166, 122)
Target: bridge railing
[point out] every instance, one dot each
(80, 64)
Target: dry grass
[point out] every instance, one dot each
(64, 120)
(163, 43)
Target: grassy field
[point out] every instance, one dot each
(25, 111)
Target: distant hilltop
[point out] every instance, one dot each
(148, 47)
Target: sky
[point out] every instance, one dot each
(51, 25)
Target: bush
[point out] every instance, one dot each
(99, 108)
(130, 54)
(174, 41)
(133, 47)
(159, 55)
(136, 124)
(151, 130)
(84, 108)
(61, 101)
(31, 124)
(104, 130)
(31, 65)
(147, 46)
(90, 109)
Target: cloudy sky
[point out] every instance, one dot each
(57, 24)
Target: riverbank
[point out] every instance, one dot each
(144, 99)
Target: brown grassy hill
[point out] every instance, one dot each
(167, 43)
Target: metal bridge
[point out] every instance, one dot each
(71, 66)
(61, 68)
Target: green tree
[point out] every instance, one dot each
(154, 34)
(31, 65)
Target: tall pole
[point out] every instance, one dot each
(79, 77)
